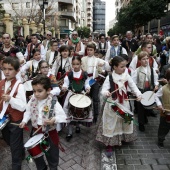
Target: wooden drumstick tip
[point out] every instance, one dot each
(36, 130)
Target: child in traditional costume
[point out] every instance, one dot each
(31, 67)
(146, 79)
(44, 114)
(12, 104)
(76, 81)
(164, 106)
(93, 66)
(45, 70)
(113, 129)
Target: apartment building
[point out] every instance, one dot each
(99, 16)
(89, 14)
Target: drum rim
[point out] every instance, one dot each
(4, 124)
(80, 107)
(30, 147)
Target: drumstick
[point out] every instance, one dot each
(16, 124)
(39, 128)
(161, 109)
(82, 96)
(115, 90)
(130, 99)
(8, 90)
(151, 95)
(36, 130)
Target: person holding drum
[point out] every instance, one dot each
(1, 72)
(13, 104)
(39, 110)
(112, 129)
(77, 82)
(164, 125)
(146, 79)
(93, 66)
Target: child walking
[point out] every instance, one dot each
(13, 104)
(38, 110)
(31, 66)
(112, 129)
(93, 66)
(146, 79)
(77, 82)
(44, 69)
(164, 106)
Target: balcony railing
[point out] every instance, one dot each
(67, 1)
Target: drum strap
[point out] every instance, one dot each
(112, 88)
(54, 99)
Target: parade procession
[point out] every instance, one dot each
(74, 96)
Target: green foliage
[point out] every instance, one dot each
(139, 13)
(83, 32)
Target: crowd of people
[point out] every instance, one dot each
(67, 83)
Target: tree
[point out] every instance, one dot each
(83, 32)
(34, 12)
(139, 13)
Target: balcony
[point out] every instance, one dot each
(66, 1)
(89, 17)
(89, 23)
(89, 12)
(68, 14)
(89, 1)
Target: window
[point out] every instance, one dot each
(15, 5)
(62, 22)
(28, 5)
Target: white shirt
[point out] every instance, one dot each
(19, 102)
(51, 57)
(106, 86)
(28, 65)
(75, 75)
(60, 115)
(42, 51)
(134, 61)
(158, 94)
(135, 76)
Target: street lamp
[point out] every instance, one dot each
(43, 5)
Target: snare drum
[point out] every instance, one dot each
(28, 88)
(79, 105)
(35, 146)
(4, 121)
(148, 100)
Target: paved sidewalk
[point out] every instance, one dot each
(81, 153)
(144, 153)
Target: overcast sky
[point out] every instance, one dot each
(110, 10)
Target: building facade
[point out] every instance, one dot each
(89, 14)
(99, 16)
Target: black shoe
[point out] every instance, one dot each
(141, 127)
(161, 145)
(68, 137)
(77, 129)
(152, 114)
(23, 154)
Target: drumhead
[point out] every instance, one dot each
(28, 85)
(80, 101)
(35, 139)
(126, 110)
(145, 98)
